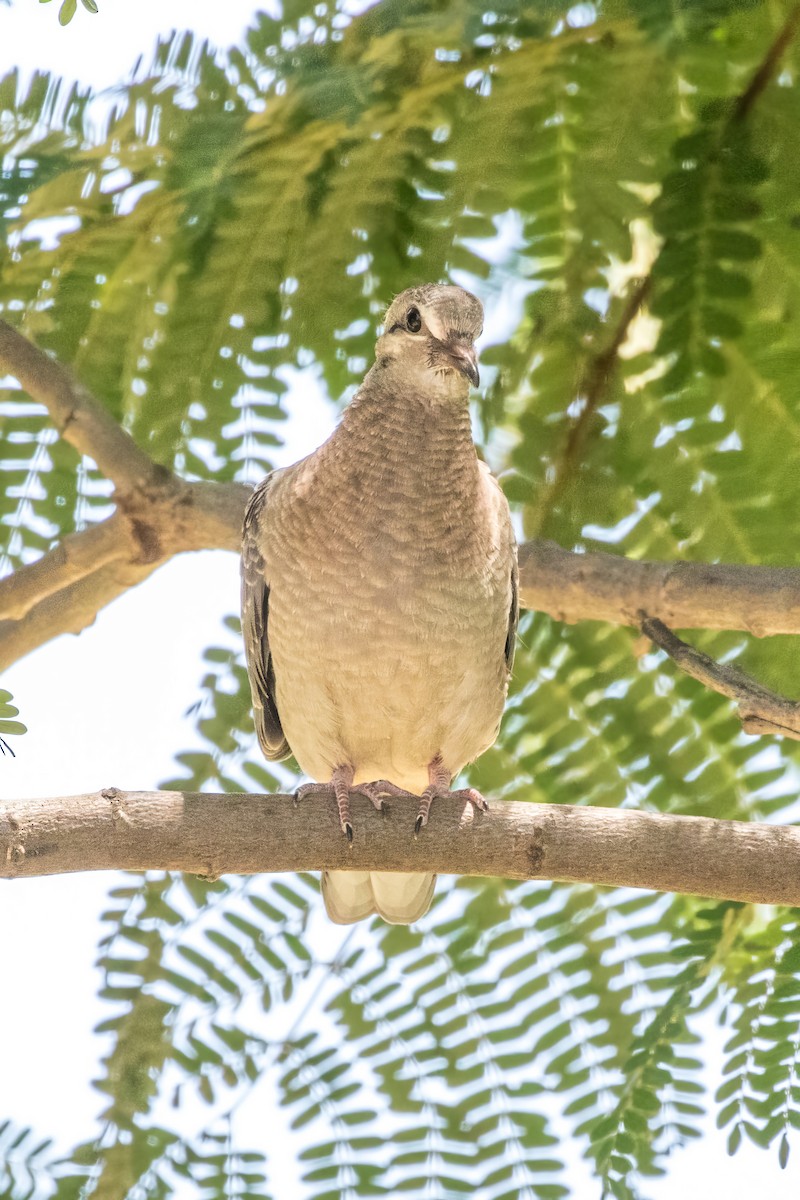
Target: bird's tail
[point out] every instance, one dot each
(398, 897)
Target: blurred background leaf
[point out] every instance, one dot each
(68, 8)
(9, 727)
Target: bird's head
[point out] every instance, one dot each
(429, 337)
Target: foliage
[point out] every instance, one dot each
(8, 726)
(227, 217)
(69, 7)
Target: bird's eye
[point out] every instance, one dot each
(413, 320)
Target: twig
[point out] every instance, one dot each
(768, 66)
(759, 709)
(592, 388)
(218, 834)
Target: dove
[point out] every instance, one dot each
(379, 593)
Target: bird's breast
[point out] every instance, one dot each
(388, 615)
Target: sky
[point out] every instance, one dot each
(101, 49)
(107, 709)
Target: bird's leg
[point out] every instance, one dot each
(341, 780)
(339, 786)
(439, 779)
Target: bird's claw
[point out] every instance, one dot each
(472, 796)
(311, 789)
(468, 795)
(329, 792)
(377, 789)
(374, 791)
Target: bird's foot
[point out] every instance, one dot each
(439, 789)
(339, 790)
(468, 795)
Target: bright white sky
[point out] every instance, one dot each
(100, 50)
(107, 708)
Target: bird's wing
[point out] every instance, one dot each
(510, 552)
(255, 613)
(513, 614)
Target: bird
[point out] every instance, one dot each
(380, 593)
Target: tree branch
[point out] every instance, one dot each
(210, 834)
(63, 591)
(760, 710)
(78, 555)
(144, 531)
(70, 610)
(79, 418)
(567, 586)
(159, 515)
(606, 587)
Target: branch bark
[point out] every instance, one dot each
(78, 555)
(79, 418)
(159, 515)
(64, 591)
(684, 595)
(759, 709)
(212, 835)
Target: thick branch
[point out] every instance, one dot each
(70, 610)
(78, 555)
(63, 591)
(567, 586)
(79, 418)
(215, 834)
(759, 709)
(605, 587)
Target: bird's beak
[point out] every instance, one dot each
(465, 360)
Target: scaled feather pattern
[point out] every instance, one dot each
(379, 589)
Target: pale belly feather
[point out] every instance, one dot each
(371, 686)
